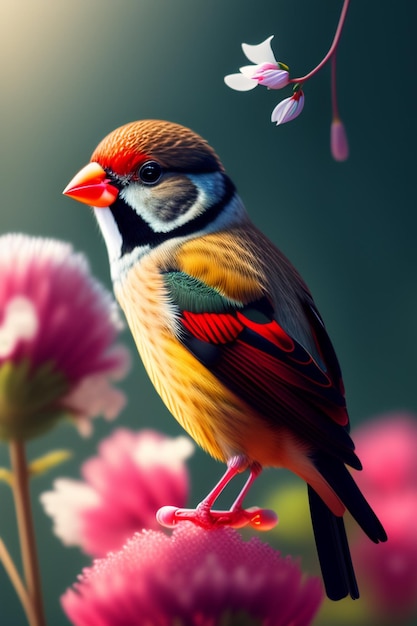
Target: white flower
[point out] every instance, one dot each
(266, 71)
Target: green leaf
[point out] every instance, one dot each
(48, 461)
(6, 476)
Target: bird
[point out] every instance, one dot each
(227, 329)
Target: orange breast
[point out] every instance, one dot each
(211, 414)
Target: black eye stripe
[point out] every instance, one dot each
(150, 173)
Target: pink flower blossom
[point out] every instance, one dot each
(339, 146)
(57, 331)
(132, 476)
(388, 577)
(266, 71)
(288, 109)
(387, 447)
(194, 577)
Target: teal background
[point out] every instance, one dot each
(72, 71)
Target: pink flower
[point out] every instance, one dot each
(288, 109)
(266, 71)
(387, 447)
(133, 475)
(194, 577)
(339, 146)
(389, 578)
(57, 331)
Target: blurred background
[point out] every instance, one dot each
(71, 72)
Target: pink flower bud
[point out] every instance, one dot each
(338, 141)
(288, 109)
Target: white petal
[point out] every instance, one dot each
(166, 452)
(248, 70)
(65, 505)
(261, 53)
(239, 82)
(94, 395)
(20, 321)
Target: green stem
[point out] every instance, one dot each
(26, 531)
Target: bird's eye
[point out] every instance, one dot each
(150, 172)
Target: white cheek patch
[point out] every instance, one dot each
(110, 232)
(210, 190)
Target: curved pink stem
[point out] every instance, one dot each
(335, 108)
(332, 48)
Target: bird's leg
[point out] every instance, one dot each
(255, 470)
(236, 517)
(235, 465)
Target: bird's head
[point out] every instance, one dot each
(150, 181)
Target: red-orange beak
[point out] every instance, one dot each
(91, 186)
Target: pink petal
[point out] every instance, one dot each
(273, 78)
(133, 475)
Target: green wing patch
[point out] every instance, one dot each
(191, 294)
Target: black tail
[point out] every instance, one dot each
(343, 484)
(333, 550)
(329, 530)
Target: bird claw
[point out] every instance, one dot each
(260, 519)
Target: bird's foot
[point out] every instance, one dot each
(237, 517)
(260, 519)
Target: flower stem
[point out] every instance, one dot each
(332, 48)
(26, 531)
(335, 108)
(16, 581)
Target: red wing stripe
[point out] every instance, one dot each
(192, 325)
(271, 331)
(213, 327)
